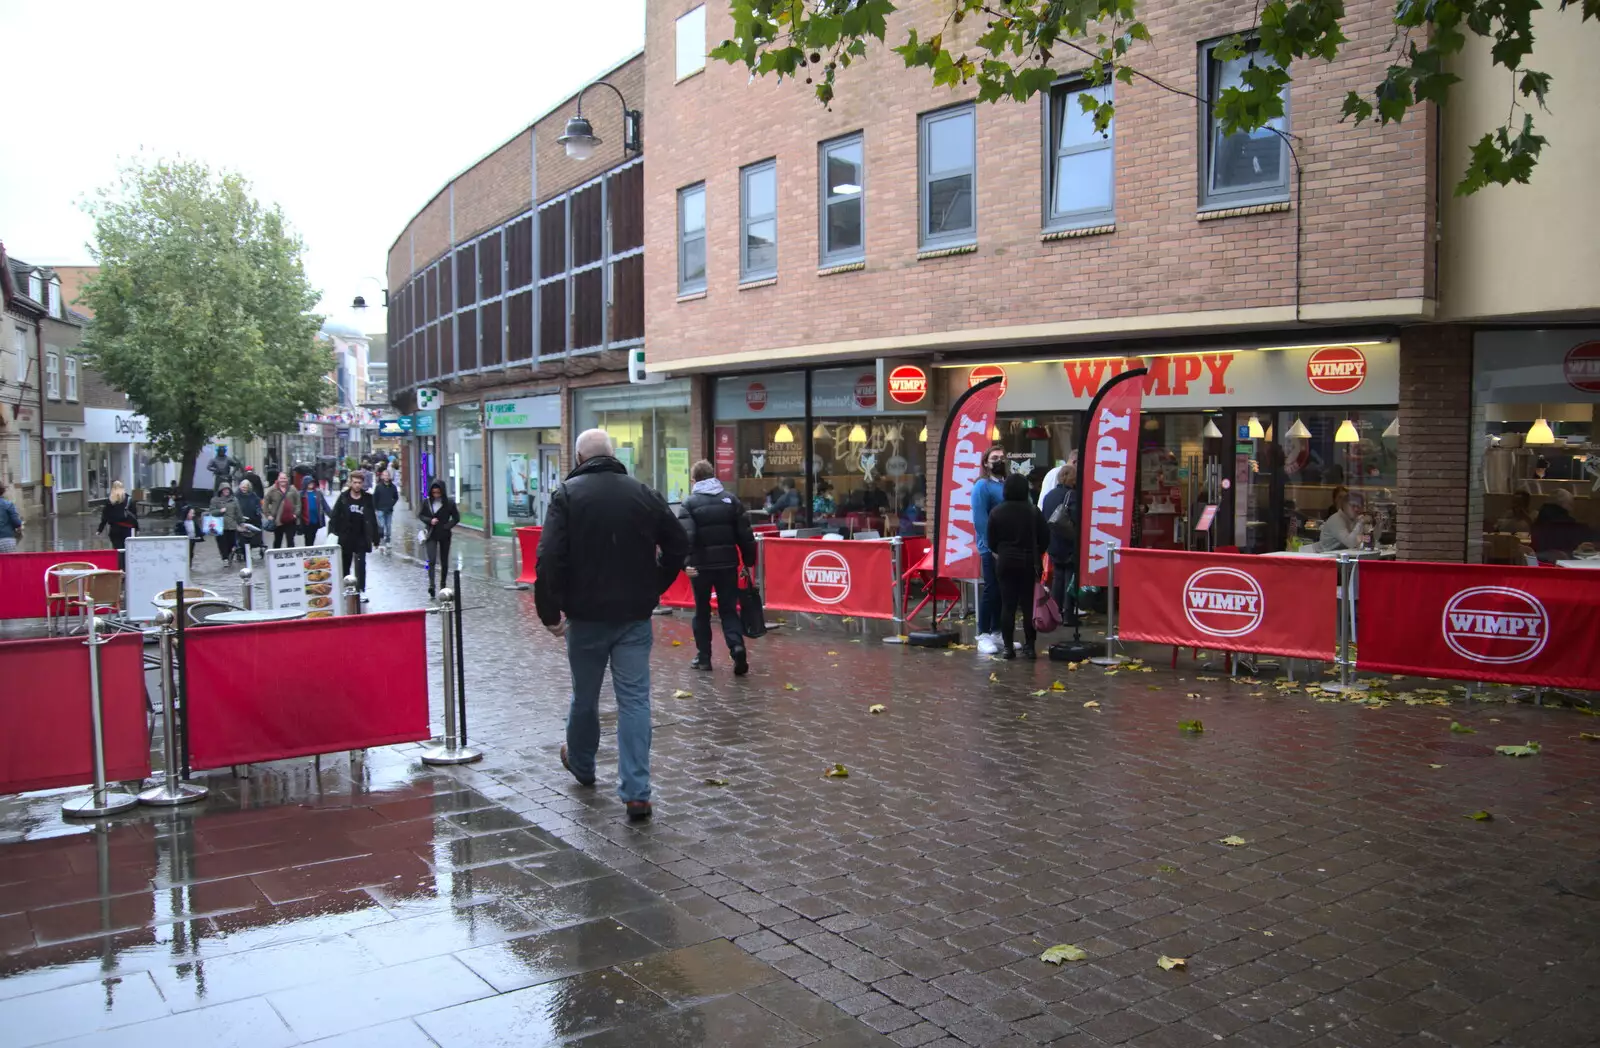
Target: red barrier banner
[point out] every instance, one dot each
(831, 577)
(289, 689)
(45, 739)
(1229, 602)
(1107, 481)
(966, 441)
(1480, 622)
(22, 578)
(528, 553)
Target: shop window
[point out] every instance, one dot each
(64, 464)
(648, 425)
(844, 188)
(948, 164)
(692, 239)
(758, 219)
(691, 42)
(72, 379)
(52, 376)
(1246, 167)
(1080, 189)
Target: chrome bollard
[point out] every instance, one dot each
(173, 790)
(1110, 658)
(102, 801)
(247, 595)
(451, 749)
(1342, 657)
(352, 596)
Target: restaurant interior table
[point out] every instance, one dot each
(1595, 563)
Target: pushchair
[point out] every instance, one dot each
(247, 536)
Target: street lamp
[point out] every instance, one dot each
(361, 303)
(580, 140)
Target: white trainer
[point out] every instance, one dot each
(987, 645)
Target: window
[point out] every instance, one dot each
(64, 464)
(1079, 189)
(692, 42)
(758, 219)
(844, 186)
(72, 379)
(25, 459)
(949, 169)
(36, 287)
(1247, 167)
(52, 376)
(692, 239)
(19, 342)
(55, 299)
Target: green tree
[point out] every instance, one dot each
(202, 312)
(1025, 44)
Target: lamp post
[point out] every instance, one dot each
(580, 140)
(360, 303)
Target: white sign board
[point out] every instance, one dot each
(154, 563)
(525, 413)
(304, 579)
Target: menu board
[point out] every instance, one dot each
(154, 564)
(304, 579)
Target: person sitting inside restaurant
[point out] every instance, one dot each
(822, 504)
(1346, 527)
(785, 502)
(1556, 532)
(1519, 518)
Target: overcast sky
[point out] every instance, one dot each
(350, 114)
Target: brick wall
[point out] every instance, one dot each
(1365, 210)
(1434, 476)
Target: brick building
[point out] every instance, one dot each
(517, 292)
(1290, 302)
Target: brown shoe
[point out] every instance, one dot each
(638, 811)
(568, 765)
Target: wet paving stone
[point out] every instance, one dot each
(545, 956)
(710, 969)
(547, 1014)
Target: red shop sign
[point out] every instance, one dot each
(830, 577)
(755, 397)
(1480, 622)
(1582, 367)
(867, 392)
(908, 384)
(1229, 601)
(983, 371)
(1336, 369)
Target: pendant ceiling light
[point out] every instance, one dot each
(1211, 432)
(785, 435)
(1347, 433)
(1256, 432)
(1393, 428)
(857, 434)
(1299, 431)
(923, 436)
(1540, 432)
(820, 433)
(994, 432)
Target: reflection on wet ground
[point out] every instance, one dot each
(371, 902)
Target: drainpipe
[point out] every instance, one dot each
(44, 445)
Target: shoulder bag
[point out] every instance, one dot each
(1046, 616)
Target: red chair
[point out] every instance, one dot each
(921, 572)
(1194, 653)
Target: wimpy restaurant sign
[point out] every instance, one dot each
(1333, 374)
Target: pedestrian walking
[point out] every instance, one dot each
(282, 512)
(988, 492)
(314, 510)
(610, 548)
(1018, 538)
(10, 522)
(439, 517)
(118, 516)
(718, 528)
(249, 500)
(188, 523)
(385, 497)
(355, 524)
(226, 506)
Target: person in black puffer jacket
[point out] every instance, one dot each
(1019, 536)
(719, 535)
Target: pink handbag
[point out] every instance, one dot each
(1046, 616)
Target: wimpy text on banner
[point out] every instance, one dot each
(1107, 478)
(1481, 622)
(966, 440)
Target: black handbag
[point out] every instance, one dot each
(752, 613)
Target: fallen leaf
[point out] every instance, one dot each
(681, 694)
(833, 653)
(1436, 765)
(716, 782)
(838, 771)
(1494, 720)
(1146, 669)
(876, 707)
(1481, 816)
(1091, 704)
(790, 687)
(1164, 868)
(1023, 717)
(1191, 694)
(677, 644)
(1058, 686)
(1170, 963)
(1112, 673)
(1063, 952)
(1193, 727)
(1588, 736)
(1527, 749)
(1233, 841)
(1266, 933)
(1038, 693)
(1153, 687)
(1461, 729)
(994, 679)
(1208, 678)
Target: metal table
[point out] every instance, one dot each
(243, 618)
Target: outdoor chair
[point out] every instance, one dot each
(55, 593)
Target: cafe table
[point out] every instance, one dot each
(1592, 564)
(245, 618)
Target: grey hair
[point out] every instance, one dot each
(593, 443)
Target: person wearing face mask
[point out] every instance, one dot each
(988, 491)
(439, 517)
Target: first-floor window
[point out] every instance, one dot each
(25, 459)
(52, 376)
(64, 464)
(72, 379)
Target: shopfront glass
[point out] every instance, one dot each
(99, 470)
(1536, 415)
(649, 426)
(523, 492)
(1037, 444)
(463, 465)
(147, 471)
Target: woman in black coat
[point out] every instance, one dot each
(118, 516)
(439, 517)
(1018, 536)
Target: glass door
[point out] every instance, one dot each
(1179, 474)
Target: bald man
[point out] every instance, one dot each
(609, 549)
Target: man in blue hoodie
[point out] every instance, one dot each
(988, 491)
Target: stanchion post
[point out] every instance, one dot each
(1110, 658)
(896, 570)
(1345, 611)
(101, 801)
(352, 596)
(761, 564)
(461, 660)
(247, 584)
(173, 790)
(449, 750)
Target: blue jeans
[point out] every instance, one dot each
(385, 517)
(626, 647)
(989, 598)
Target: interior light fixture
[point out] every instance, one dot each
(1393, 428)
(923, 436)
(1211, 432)
(820, 433)
(1299, 431)
(785, 435)
(1256, 432)
(857, 434)
(1325, 345)
(1540, 432)
(1346, 433)
(994, 432)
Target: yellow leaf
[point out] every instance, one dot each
(1233, 841)
(1023, 717)
(1170, 963)
(1436, 766)
(838, 771)
(790, 687)
(716, 782)
(1038, 693)
(876, 707)
(681, 694)
(677, 644)
(993, 679)
(1058, 686)
(1063, 952)
(1208, 678)
(1481, 816)
(1091, 704)
(1588, 736)
(833, 653)
(1112, 673)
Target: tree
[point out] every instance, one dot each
(202, 312)
(1025, 42)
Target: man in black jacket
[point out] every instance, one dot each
(609, 549)
(385, 497)
(354, 524)
(719, 534)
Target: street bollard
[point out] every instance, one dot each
(1345, 611)
(1110, 658)
(450, 750)
(173, 790)
(352, 596)
(102, 801)
(896, 571)
(247, 595)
